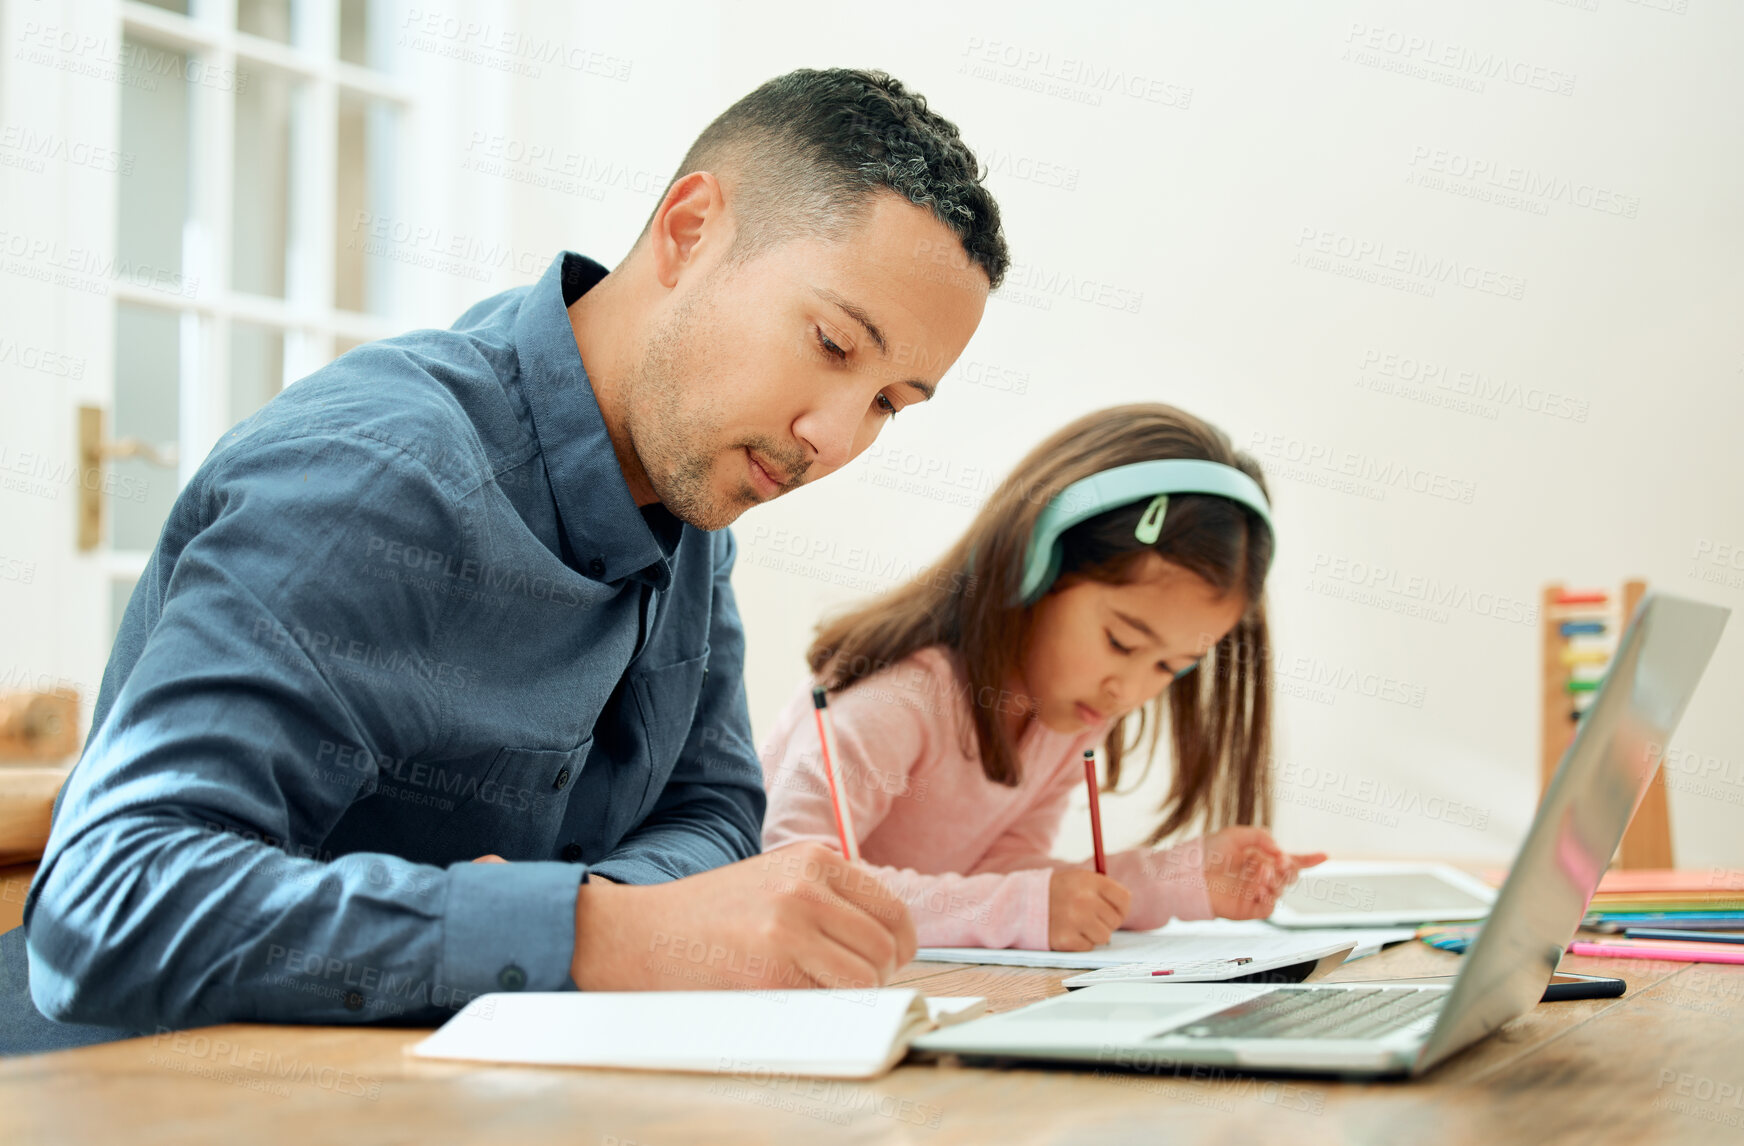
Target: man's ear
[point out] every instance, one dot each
(691, 226)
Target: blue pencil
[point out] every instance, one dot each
(1673, 933)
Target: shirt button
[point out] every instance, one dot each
(596, 567)
(571, 853)
(353, 1001)
(562, 779)
(511, 978)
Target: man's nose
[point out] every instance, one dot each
(829, 429)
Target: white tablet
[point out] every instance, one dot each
(1360, 893)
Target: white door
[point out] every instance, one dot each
(59, 176)
(170, 181)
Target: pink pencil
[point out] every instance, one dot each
(1671, 952)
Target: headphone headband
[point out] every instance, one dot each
(1124, 485)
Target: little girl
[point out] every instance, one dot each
(1119, 569)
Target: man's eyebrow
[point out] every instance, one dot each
(857, 314)
(1139, 625)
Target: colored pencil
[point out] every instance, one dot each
(820, 704)
(1705, 921)
(1095, 810)
(1670, 952)
(1685, 936)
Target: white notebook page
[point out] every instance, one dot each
(833, 1034)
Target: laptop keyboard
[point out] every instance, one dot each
(1302, 1013)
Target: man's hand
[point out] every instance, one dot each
(1084, 909)
(799, 916)
(1246, 871)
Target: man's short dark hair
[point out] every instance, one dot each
(811, 149)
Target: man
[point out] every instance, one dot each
(464, 594)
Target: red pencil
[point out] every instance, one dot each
(1095, 810)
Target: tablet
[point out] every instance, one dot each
(1359, 893)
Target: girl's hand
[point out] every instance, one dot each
(1246, 871)
(1084, 909)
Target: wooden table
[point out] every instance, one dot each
(1665, 1063)
(14, 882)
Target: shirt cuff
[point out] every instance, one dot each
(632, 870)
(1168, 883)
(510, 927)
(1037, 887)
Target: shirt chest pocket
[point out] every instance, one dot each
(518, 806)
(665, 698)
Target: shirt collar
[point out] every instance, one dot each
(609, 538)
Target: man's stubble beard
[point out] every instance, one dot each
(677, 447)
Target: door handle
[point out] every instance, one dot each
(94, 452)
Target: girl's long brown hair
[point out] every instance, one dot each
(1219, 714)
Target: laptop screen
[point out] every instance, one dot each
(1581, 819)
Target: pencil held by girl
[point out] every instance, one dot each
(1114, 579)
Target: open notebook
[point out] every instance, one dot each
(822, 1033)
(1202, 942)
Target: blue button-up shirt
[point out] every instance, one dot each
(406, 615)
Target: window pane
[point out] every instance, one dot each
(154, 197)
(269, 18)
(361, 266)
(356, 45)
(257, 367)
(147, 406)
(261, 225)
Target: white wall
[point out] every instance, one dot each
(1263, 133)
(1258, 135)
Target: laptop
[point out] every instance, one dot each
(1378, 1030)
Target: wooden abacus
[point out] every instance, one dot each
(1581, 628)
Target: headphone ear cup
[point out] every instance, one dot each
(1045, 575)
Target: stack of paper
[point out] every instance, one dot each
(1699, 899)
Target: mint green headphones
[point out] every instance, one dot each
(1124, 485)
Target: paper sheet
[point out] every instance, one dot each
(1368, 940)
(1184, 941)
(946, 1010)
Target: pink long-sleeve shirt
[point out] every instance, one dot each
(970, 857)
